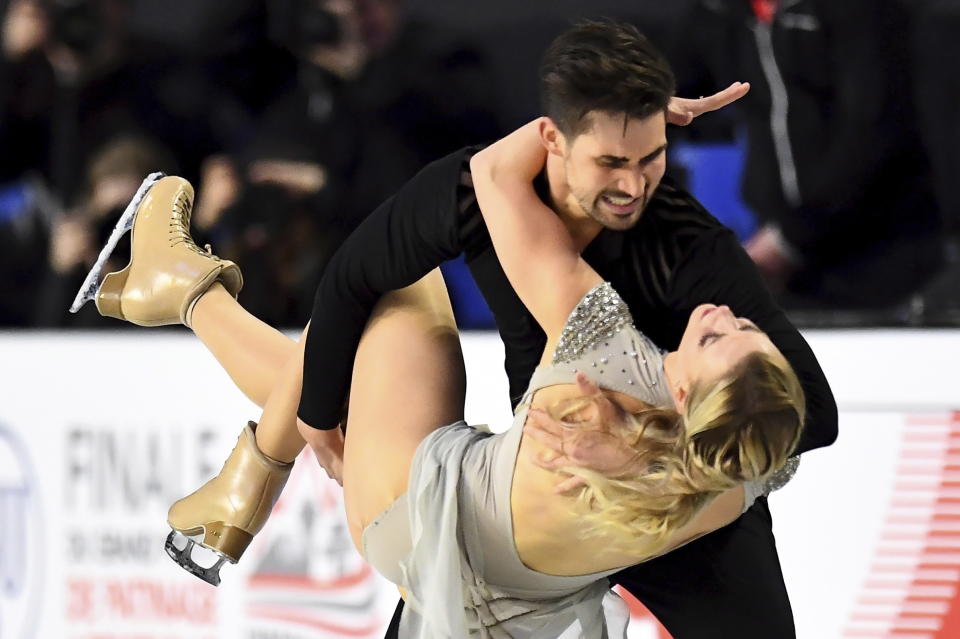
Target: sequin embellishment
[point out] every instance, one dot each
(780, 478)
(596, 317)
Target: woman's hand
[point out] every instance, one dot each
(682, 111)
(518, 158)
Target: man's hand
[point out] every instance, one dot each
(327, 446)
(682, 111)
(299, 178)
(25, 28)
(71, 244)
(770, 253)
(595, 443)
(347, 57)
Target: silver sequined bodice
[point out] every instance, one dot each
(600, 340)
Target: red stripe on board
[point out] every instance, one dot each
(924, 420)
(872, 633)
(638, 611)
(306, 583)
(279, 614)
(911, 590)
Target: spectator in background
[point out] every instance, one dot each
(297, 116)
(24, 225)
(207, 69)
(834, 169)
(65, 88)
(26, 85)
(376, 99)
(936, 25)
(113, 176)
(62, 73)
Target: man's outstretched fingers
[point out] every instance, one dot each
(567, 485)
(682, 111)
(546, 422)
(607, 411)
(587, 387)
(548, 439)
(550, 460)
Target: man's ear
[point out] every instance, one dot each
(552, 138)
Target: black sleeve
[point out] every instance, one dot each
(717, 270)
(401, 241)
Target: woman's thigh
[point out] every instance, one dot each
(408, 380)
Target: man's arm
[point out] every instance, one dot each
(717, 270)
(401, 241)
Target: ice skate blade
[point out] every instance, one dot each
(183, 558)
(88, 290)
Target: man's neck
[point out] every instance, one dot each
(582, 228)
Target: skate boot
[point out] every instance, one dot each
(167, 272)
(227, 511)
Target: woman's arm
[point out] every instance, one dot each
(533, 246)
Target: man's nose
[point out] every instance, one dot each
(631, 182)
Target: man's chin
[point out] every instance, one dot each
(617, 222)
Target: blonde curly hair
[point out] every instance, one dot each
(741, 427)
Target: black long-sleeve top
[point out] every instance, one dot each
(676, 257)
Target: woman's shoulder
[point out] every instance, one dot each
(599, 315)
(600, 340)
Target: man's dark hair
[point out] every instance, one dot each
(602, 66)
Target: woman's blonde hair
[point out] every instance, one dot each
(741, 427)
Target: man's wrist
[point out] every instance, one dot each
(786, 249)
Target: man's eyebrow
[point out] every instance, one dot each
(620, 159)
(660, 149)
(614, 159)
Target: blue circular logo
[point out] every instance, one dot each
(21, 540)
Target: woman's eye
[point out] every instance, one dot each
(706, 338)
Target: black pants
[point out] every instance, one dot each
(723, 585)
(937, 91)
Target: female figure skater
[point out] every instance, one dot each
(467, 523)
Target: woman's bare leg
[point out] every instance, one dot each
(265, 364)
(277, 434)
(408, 380)
(252, 352)
(231, 508)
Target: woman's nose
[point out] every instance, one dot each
(725, 314)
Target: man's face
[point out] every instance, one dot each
(612, 170)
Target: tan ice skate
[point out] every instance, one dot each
(227, 511)
(167, 272)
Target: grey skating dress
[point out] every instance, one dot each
(449, 541)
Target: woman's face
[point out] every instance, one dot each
(714, 341)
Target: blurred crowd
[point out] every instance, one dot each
(292, 118)
(852, 140)
(295, 118)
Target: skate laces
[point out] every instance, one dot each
(180, 227)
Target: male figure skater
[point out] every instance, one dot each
(658, 247)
